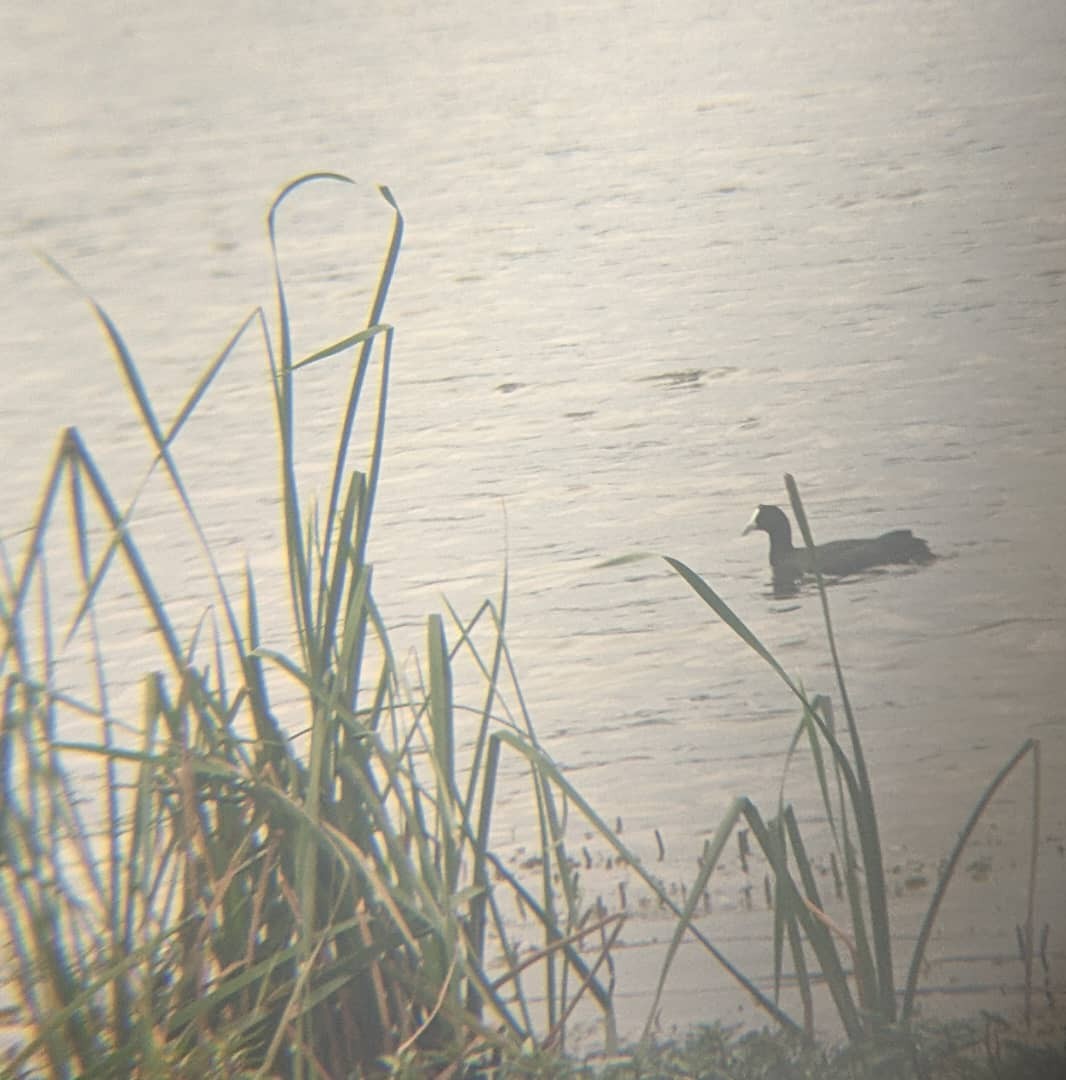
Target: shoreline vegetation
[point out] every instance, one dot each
(202, 891)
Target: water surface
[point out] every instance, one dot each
(653, 260)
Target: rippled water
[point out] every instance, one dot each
(652, 262)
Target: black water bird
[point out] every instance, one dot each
(838, 557)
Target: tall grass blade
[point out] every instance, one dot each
(865, 813)
(286, 410)
(712, 851)
(374, 319)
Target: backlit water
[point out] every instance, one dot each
(654, 259)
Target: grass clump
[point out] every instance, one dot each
(207, 890)
(963, 1050)
(853, 957)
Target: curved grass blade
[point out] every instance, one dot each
(376, 309)
(286, 410)
(911, 987)
(712, 851)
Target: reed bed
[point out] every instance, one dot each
(219, 886)
(206, 889)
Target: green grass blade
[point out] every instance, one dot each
(347, 425)
(712, 851)
(286, 409)
(80, 454)
(866, 814)
(732, 620)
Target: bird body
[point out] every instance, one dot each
(838, 557)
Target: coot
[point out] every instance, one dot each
(838, 557)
